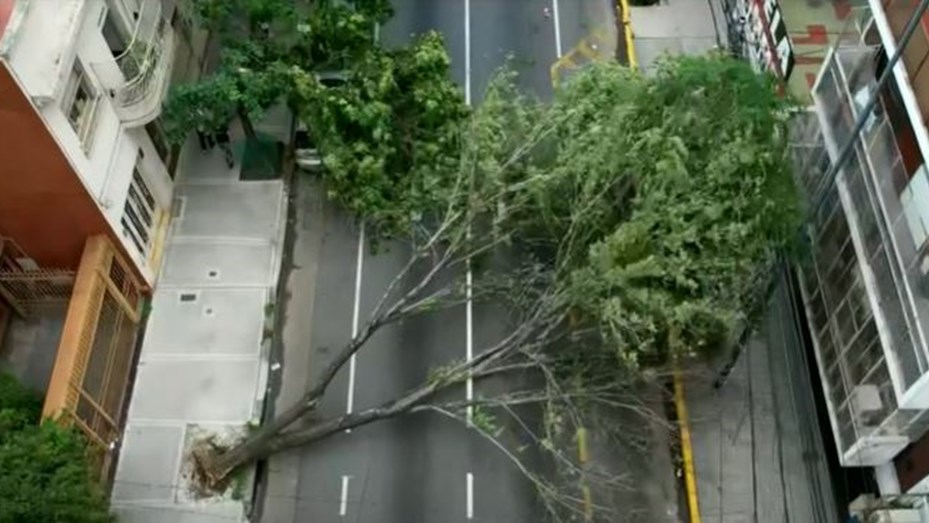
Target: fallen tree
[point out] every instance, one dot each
(635, 214)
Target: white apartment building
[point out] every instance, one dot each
(97, 72)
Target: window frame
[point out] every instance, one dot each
(140, 212)
(84, 125)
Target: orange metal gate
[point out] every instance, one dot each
(89, 383)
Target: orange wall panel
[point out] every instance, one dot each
(44, 206)
(6, 10)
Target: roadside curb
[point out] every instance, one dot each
(685, 447)
(625, 21)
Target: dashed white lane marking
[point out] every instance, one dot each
(469, 306)
(557, 28)
(343, 500)
(470, 502)
(467, 22)
(356, 311)
(469, 338)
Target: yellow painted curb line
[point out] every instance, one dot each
(687, 453)
(583, 455)
(161, 233)
(627, 33)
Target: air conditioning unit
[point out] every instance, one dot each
(868, 508)
(895, 515)
(867, 404)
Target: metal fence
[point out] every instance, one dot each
(24, 287)
(89, 383)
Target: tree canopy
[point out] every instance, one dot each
(389, 135)
(45, 476)
(263, 42)
(630, 220)
(656, 202)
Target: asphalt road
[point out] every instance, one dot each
(425, 467)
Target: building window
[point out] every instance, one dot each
(80, 104)
(139, 213)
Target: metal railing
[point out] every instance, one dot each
(24, 287)
(139, 85)
(151, 70)
(131, 60)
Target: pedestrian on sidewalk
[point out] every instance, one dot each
(205, 139)
(222, 138)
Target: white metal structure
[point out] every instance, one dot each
(96, 99)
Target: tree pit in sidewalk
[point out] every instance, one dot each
(196, 481)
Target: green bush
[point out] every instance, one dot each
(16, 397)
(44, 472)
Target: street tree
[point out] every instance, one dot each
(620, 226)
(389, 135)
(260, 42)
(46, 474)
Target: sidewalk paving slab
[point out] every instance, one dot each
(202, 368)
(675, 27)
(758, 450)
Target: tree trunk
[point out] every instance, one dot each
(270, 439)
(218, 467)
(247, 125)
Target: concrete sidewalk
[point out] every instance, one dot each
(759, 454)
(754, 444)
(203, 365)
(676, 27)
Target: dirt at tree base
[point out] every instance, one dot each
(200, 443)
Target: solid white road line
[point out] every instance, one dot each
(467, 21)
(469, 338)
(557, 28)
(470, 507)
(469, 305)
(343, 501)
(356, 311)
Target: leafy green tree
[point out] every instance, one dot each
(657, 203)
(389, 135)
(629, 220)
(261, 42)
(46, 477)
(235, 90)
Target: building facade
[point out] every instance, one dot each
(861, 163)
(86, 185)
(94, 75)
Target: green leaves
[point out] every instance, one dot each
(45, 472)
(654, 202)
(45, 478)
(670, 268)
(264, 43)
(389, 135)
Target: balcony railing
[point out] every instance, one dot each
(138, 83)
(878, 186)
(138, 102)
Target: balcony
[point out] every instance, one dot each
(866, 287)
(138, 76)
